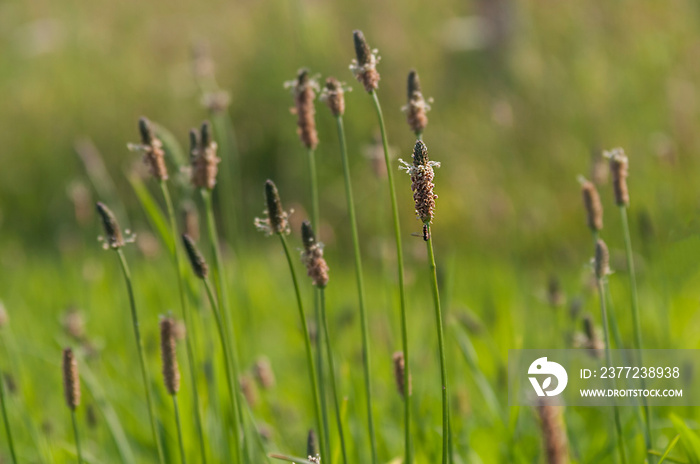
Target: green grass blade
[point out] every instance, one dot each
(668, 449)
(690, 439)
(153, 212)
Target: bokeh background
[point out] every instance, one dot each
(526, 95)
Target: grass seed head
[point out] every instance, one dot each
(71, 380)
(594, 208)
(333, 95)
(416, 106)
(400, 374)
(203, 158)
(364, 66)
(168, 353)
(312, 256)
(276, 221)
(152, 148)
(304, 89)
(422, 175)
(553, 434)
(602, 259)
(114, 238)
(619, 164)
(199, 265)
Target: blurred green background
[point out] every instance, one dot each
(526, 94)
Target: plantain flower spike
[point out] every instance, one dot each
(364, 66)
(422, 175)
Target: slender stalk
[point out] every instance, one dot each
(361, 294)
(635, 317)
(179, 430)
(608, 358)
(331, 368)
(5, 419)
(313, 181)
(222, 293)
(187, 317)
(231, 374)
(307, 342)
(441, 343)
(77, 437)
(402, 294)
(142, 357)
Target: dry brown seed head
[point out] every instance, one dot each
(422, 175)
(364, 66)
(416, 107)
(304, 90)
(168, 353)
(199, 265)
(334, 96)
(602, 259)
(276, 221)
(553, 434)
(114, 238)
(71, 380)
(400, 374)
(594, 208)
(619, 164)
(204, 160)
(152, 148)
(312, 256)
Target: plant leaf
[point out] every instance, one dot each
(669, 448)
(690, 439)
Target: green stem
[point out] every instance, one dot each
(361, 290)
(313, 181)
(331, 368)
(186, 316)
(222, 291)
(77, 437)
(608, 359)
(402, 294)
(307, 342)
(142, 357)
(179, 430)
(441, 342)
(232, 381)
(635, 317)
(5, 419)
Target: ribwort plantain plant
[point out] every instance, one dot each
(114, 240)
(317, 270)
(276, 222)
(201, 271)
(422, 175)
(364, 68)
(154, 157)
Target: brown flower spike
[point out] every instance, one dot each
(591, 201)
(276, 221)
(416, 107)
(553, 434)
(422, 175)
(618, 166)
(333, 95)
(114, 238)
(400, 374)
(203, 158)
(152, 148)
(71, 380)
(364, 66)
(304, 88)
(312, 256)
(199, 265)
(602, 259)
(171, 373)
(262, 370)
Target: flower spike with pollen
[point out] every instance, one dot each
(591, 201)
(312, 256)
(364, 66)
(416, 106)
(199, 265)
(114, 238)
(619, 166)
(422, 175)
(333, 95)
(276, 221)
(203, 158)
(152, 148)
(304, 89)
